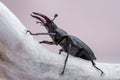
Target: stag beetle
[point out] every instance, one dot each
(69, 43)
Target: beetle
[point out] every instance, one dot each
(69, 43)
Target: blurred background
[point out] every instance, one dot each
(96, 22)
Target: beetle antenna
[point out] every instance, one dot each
(54, 17)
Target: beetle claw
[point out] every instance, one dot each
(62, 73)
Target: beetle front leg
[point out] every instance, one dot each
(36, 34)
(27, 31)
(47, 42)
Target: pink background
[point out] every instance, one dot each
(96, 22)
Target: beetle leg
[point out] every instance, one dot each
(64, 64)
(36, 34)
(94, 65)
(61, 50)
(66, 60)
(47, 42)
(97, 67)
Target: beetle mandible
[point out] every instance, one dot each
(69, 43)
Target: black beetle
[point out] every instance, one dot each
(69, 43)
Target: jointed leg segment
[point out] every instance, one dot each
(47, 42)
(66, 60)
(36, 34)
(61, 50)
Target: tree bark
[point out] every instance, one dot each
(23, 58)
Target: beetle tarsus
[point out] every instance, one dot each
(66, 59)
(27, 31)
(62, 73)
(97, 67)
(36, 34)
(61, 50)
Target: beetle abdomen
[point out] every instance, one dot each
(85, 55)
(84, 51)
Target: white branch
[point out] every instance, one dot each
(22, 58)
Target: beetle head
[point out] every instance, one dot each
(44, 20)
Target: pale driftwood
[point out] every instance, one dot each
(22, 58)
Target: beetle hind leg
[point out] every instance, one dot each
(97, 67)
